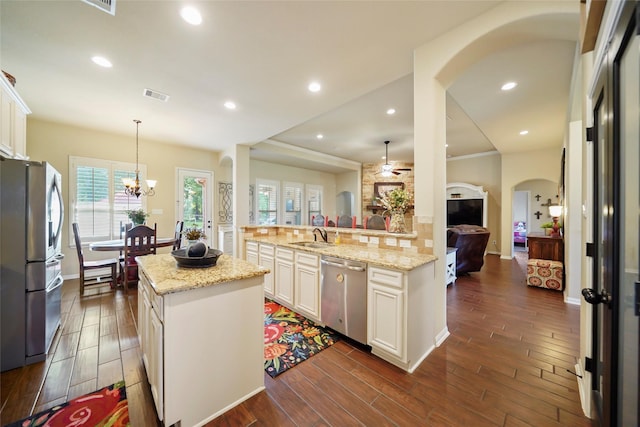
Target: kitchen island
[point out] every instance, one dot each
(399, 304)
(201, 335)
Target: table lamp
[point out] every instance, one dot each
(555, 211)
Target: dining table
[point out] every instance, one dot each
(118, 244)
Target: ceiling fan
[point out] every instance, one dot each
(387, 169)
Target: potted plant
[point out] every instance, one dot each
(193, 234)
(396, 202)
(547, 227)
(137, 216)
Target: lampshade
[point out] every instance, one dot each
(555, 210)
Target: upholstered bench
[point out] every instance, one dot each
(544, 273)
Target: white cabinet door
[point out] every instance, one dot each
(6, 124)
(307, 285)
(284, 278)
(386, 319)
(19, 137)
(144, 317)
(156, 362)
(266, 259)
(386, 311)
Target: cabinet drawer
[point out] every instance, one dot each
(284, 254)
(308, 259)
(252, 247)
(386, 277)
(267, 249)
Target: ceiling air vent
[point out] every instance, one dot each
(108, 6)
(155, 95)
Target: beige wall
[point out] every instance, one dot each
(275, 172)
(521, 167)
(55, 142)
(546, 190)
(484, 170)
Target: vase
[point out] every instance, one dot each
(397, 225)
(189, 243)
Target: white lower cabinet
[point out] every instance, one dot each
(192, 380)
(284, 278)
(386, 295)
(307, 281)
(398, 313)
(266, 258)
(150, 332)
(156, 362)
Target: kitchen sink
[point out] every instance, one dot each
(317, 245)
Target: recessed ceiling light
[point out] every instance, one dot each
(319, 136)
(230, 105)
(391, 111)
(524, 132)
(102, 61)
(509, 85)
(191, 15)
(314, 87)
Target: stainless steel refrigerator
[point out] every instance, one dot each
(31, 217)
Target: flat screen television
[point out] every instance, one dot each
(464, 211)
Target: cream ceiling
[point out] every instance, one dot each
(262, 55)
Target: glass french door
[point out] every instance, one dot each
(195, 201)
(616, 194)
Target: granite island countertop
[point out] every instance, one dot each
(385, 258)
(166, 277)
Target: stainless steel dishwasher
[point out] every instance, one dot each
(344, 297)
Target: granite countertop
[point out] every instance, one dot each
(166, 277)
(399, 260)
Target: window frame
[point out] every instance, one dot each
(111, 165)
(276, 185)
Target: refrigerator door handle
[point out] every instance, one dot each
(59, 256)
(55, 284)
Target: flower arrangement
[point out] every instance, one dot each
(193, 234)
(137, 216)
(396, 201)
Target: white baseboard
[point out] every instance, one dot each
(574, 301)
(583, 390)
(442, 335)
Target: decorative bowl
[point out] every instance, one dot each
(209, 260)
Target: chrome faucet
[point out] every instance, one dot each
(323, 234)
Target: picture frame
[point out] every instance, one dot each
(379, 188)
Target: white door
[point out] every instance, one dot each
(195, 201)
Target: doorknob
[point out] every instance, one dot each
(593, 297)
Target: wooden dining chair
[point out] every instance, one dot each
(91, 272)
(139, 240)
(376, 222)
(178, 235)
(346, 221)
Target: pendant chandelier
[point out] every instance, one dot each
(132, 187)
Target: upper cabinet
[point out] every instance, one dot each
(13, 126)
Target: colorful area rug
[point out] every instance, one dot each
(290, 338)
(106, 407)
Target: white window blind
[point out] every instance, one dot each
(292, 195)
(314, 201)
(267, 196)
(98, 202)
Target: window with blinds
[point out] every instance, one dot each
(267, 201)
(98, 202)
(314, 201)
(292, 195)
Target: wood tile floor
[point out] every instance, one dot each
(506, 363)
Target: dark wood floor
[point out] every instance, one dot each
(505, 364)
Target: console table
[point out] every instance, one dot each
(545, 247)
